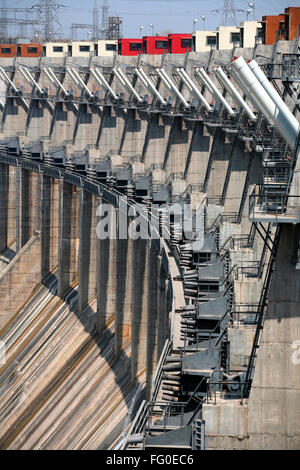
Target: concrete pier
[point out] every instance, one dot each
(87, 259)
(68, 240)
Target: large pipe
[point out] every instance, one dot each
(126, 83)
(52, 77)
(280, 119)
(70, 72)
(8, 81)
(218, 96)
(149, 85)
(82, 83)
(169, 83)
(59, 84)
(27, 75)
(103, 82)
(203, 81)
(257, 105)
(261, 77)
(226, 83)
(193, 88)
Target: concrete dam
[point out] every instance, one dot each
(179, 328)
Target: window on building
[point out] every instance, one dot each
(186, 42)
(58, 49)
(5, 50)
(32, 50)
(84, 48)
(135, 46)
(235, 38)
(161, 44)
(111, 47)
(211, 40)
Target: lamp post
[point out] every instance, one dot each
(195, 21)
(252, 7)
(152, 26)
(203, 18)
(141, 29)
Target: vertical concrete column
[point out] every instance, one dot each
(27, 184)
(106, 268)
(49, 214)
(11, 206)
(22, 207)
(34, 184)
(3, 206)
(123, 288)
(87, 259)
(152, 314)
(140, 253)
(163, 313)
(68, 239)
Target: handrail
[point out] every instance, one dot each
(159, 372)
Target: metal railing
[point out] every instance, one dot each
(272, 203)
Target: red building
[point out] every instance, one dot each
(281, 27)
(132, 47)
(8, 50)
(155, 44)
(291, 22)
(180, 43)
(30, 50)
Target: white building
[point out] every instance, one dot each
(227, 37)
(56, 49)
(106, 48)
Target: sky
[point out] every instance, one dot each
(165, 15)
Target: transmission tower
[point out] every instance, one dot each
(228, 14)
(96, 20)
(48, 16)
(3, 20)
(104, 24)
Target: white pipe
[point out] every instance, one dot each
(103, 82)
(278, 117)
(75, 80)
(183, 78)
(50, 78)
(130, 86)
(218, 96)
(167, 84)
(7, 80)
(194, 89)
(166, 79)
(226, 83)
(203, 81)
(50, 73)
(126, 83)
(27, 75)
(60, 85)
(32, 81)
(82, 83)
(261, 77)
(257, 105)
(138, 73)
(174, 87)
(149, 85)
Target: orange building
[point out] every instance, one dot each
(30, 50)
(8, 50)
(272, 27)
(283, 26)
(292, 22)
